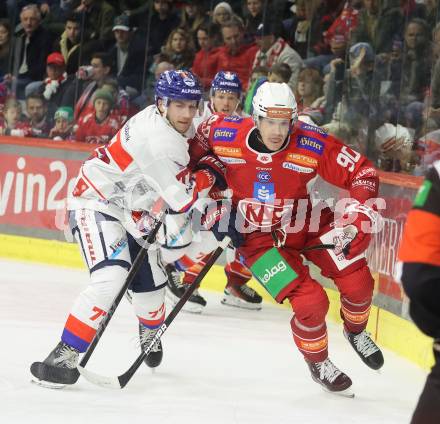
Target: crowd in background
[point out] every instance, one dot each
(367, 71)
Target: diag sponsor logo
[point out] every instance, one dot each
(233, 118)
(297, 168)
(302, 160)
(310, 143)
(232, 161)
(229, 151)
(225, 134)
(313, 128)
(270, 273)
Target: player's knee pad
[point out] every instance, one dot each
(105, 284)
(278, 270)
(102, 238)
(149, 307)
(357, 286)
(310, 309)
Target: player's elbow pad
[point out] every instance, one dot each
(213, 164)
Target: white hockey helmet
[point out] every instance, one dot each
(274, 100)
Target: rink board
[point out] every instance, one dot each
(388, 329)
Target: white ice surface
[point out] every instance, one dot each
(225, 366)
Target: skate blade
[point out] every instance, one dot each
(238, 303)
(47, 384)
(187, 307)
(347, 393)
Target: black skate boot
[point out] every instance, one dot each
(364, 346)
(58, 369)
(176, 288)
(154, 358)
(330, 377)
(241, 296)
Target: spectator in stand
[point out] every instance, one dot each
(416, 62)
(379, 23)
(253, 17)
(205, 62)
(433, 104)
(5, 47)
(260, 72)
(353, 94)
(193, 15)
(128, 55)
(235, 55)
(54, 86)
(88, 80)
(222, 13)
(163, 21)
(30, 50)
(123, 109)
(179, 49)
(11, 123)
(69, 44)
(162, 67)
(305, 31)
(274, 50)
(428, 10)
(98, 126)
(338, 49)
(63, 129)
(39, 122)
(308, 89)
(4, 95)
(98, 18)
(280, 72)
(346, 22)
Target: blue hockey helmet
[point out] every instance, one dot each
(226, 81)
(178, 85)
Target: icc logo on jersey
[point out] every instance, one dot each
(264, 176)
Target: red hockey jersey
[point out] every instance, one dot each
(267, 185)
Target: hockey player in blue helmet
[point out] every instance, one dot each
(113, 204)
(177, 96)
(225, 96)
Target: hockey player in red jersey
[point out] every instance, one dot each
(271, 163)
(225, 96)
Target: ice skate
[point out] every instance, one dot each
(330, 377)
(58, 369)
(154, 358)
(241, 296)
(365, 347)
(176, 288)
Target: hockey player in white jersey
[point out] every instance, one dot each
(112, 205)
(225, 97)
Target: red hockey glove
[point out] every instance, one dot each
(203, 182)
(359, 222)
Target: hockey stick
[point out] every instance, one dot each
(158, 208)
(318, 247)
(121, 381)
